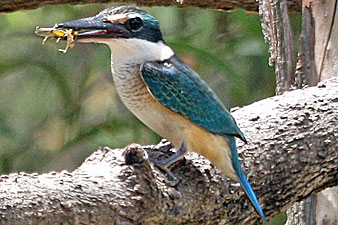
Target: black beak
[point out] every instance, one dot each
(95, 27)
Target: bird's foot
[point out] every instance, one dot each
(172, 179)
(164, 146)
(164, 164)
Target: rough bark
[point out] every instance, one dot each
(326, 29)
(306, 73)
(292, 153)
(317, 61)
(277, 32)
(318, 54)
(249, 5)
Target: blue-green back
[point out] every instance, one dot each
(179, 88)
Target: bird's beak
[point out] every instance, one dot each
(92, 28)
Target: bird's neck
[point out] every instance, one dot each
(137, 51)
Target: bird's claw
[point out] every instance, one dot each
(165, 163)
(173, 181)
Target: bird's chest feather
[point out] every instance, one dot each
(131, 88)
(137, 98)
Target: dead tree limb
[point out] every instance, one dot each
(249, 5)
(277, 32)
(292, 153)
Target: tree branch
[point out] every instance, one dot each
(249, 5)
(306, 68)
(277, 33)
(292, 153)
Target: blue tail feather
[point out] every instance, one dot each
(242, 179)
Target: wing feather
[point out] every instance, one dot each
(179, 88)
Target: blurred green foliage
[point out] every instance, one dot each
(55, 109)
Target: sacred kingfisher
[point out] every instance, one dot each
(163, 92)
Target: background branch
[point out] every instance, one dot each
(277, 32)
(249, 5)
(292, 153)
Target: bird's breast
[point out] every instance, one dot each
(137, 98)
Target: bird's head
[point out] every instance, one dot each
(125, 22)
(129, 31)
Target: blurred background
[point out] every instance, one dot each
(56, 109)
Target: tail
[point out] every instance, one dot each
(242, 179)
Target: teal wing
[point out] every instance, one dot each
(179, 88)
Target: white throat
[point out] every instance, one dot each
(137, 51)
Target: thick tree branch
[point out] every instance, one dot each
(292, 153)
(277, 32)
(249, 5)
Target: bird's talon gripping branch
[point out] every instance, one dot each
(174, 180)
(165, 163)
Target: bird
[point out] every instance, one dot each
(164, 92)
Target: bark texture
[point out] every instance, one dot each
(249, 5)
(277, 32)
(325, 14)
(306, 74)
(292, 153)
(318, 55)
(317, 61)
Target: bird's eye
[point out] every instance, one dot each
(134, 24)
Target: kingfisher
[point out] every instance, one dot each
(164, 92)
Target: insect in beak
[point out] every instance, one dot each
(61, 34)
